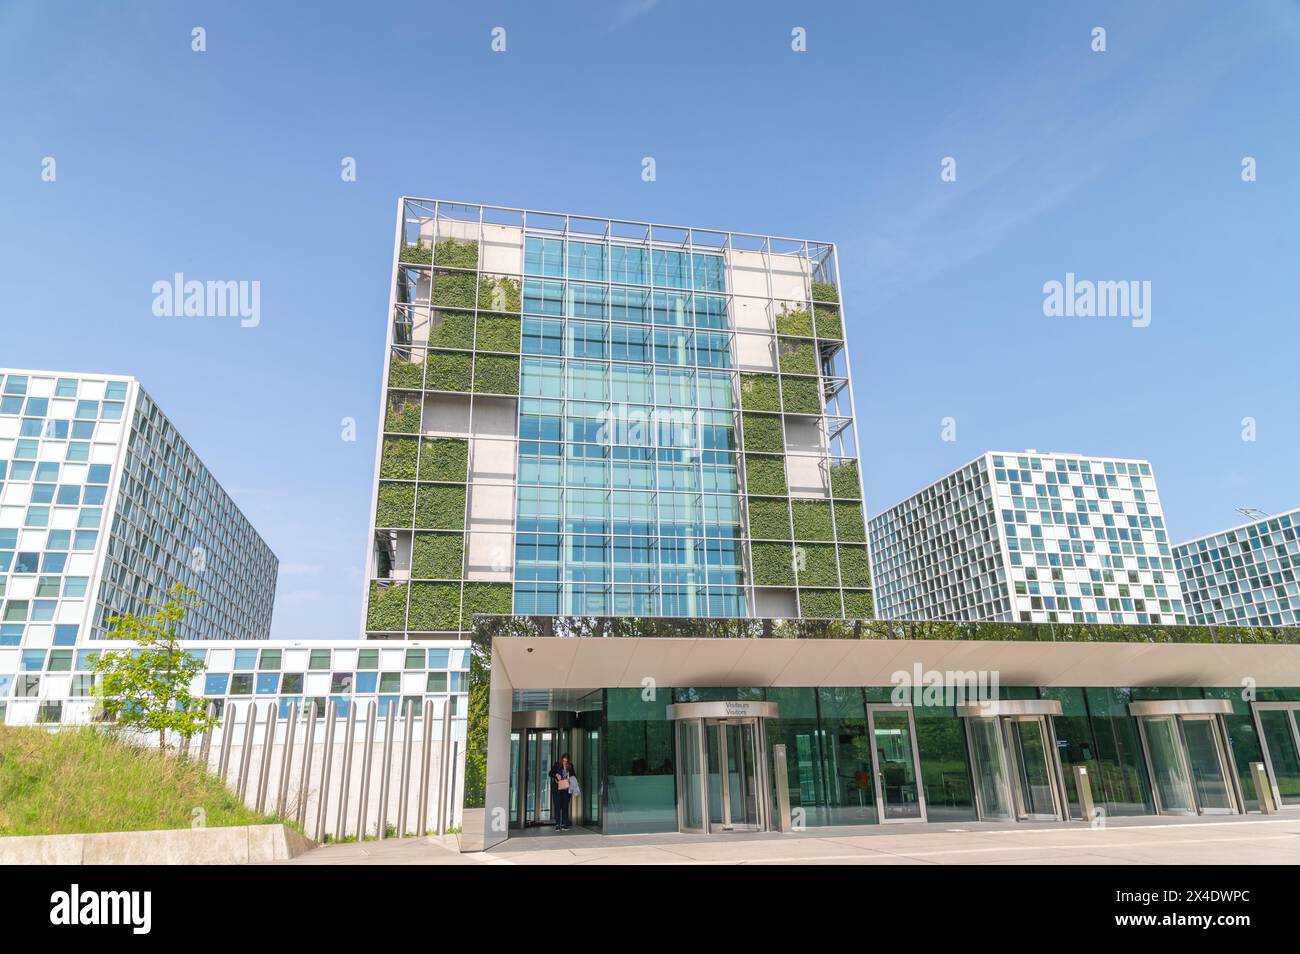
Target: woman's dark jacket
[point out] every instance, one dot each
(556, 769)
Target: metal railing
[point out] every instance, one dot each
(359, 775)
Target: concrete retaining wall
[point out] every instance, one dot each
(236, 845)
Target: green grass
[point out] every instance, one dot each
(85, 780)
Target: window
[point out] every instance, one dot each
(15, 611)
(320, 659)
(214, 683)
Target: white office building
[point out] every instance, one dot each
(1029, 537)
(1246, 576)
(103, 507)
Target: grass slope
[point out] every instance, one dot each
(83, 780)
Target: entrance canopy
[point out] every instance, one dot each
(532, 662)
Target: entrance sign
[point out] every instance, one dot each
(729, 709)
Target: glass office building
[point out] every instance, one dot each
(1246, 576)
(588, 416)
(618, 463)
(103, 507)
(1029, 537)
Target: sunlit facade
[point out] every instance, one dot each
(104, 507)
(602, 417)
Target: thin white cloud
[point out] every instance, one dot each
(634, 8)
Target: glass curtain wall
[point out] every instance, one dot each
(628, 496)
(640, 789)
(829, 769)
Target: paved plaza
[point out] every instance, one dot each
(1136, 841)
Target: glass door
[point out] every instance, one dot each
(1032, 764)
(591, 779)
(1206, 758)
(540, 753)
(992, 781)
(1170, 778)
(1279, 728)
(897, 768)
(741, 761)
(713, 783)
(516, 760)
(1017, 770)
(690, 777)
(720, 775)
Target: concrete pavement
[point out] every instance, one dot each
(1123, 841)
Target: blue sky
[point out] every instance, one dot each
(1122, 165)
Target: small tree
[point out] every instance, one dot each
(148, 688)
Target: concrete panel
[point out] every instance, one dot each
(503, 249)
(775, 604)
(756, 352)
(752, 314)
(790, 278)
(748, 273)
(491, 556)
(446, 415)
(805, 476)
(492, 460)
(491, 507)
(495, 416)
(456, 229)
(236, 845)
(804, 435)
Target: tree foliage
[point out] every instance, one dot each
(148, 688)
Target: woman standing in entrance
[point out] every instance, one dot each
(562, 778)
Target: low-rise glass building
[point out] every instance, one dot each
(755, 725)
